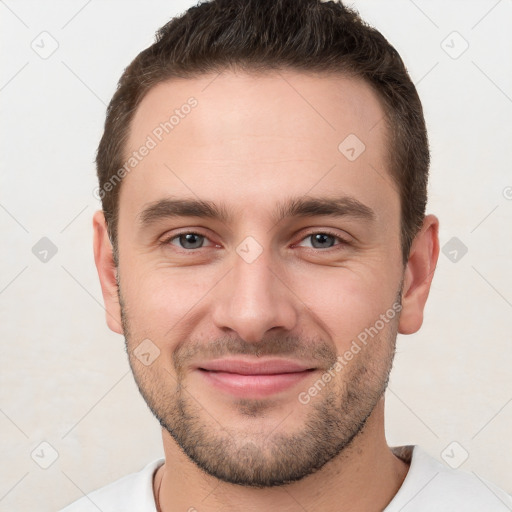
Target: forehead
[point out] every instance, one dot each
(258, 136)
(314, 106)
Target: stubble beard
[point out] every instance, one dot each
(336, 416)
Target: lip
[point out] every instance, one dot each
(258, 367)
(253, 379)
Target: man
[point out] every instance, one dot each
(262, 241)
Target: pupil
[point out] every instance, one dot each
(191, 238)
(322, 238)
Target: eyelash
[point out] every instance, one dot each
(342, 241)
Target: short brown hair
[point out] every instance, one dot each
(261, 35)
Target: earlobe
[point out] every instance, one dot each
(107, 272)
(418, 276)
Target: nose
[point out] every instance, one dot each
(253, 299)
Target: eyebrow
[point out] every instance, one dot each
(305, 206)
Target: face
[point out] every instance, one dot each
(260, 272)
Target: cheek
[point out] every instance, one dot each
(345, 301)
(161, 301)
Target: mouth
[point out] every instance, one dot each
(254, 379)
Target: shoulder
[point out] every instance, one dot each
(431, 485)
(132, 492)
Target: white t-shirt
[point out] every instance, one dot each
(428, 487)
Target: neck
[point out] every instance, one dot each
(364, 477)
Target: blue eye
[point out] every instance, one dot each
(188, 240)
(324, 240)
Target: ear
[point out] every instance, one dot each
(418, 276)
(104, 259)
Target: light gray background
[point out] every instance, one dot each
(65, 378)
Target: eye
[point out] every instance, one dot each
(324, 240)
(190, 240)
(187, 240)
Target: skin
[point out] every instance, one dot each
(253, 141)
